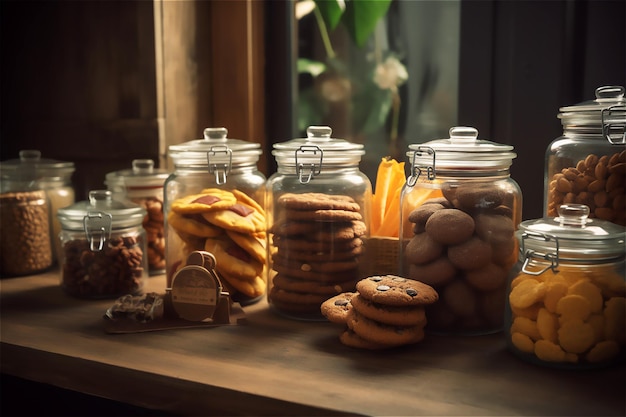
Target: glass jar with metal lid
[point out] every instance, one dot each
(143, 184)
(587, 164)
(209, 169)
(459, 212)
(318, 205)
(566, 307)
(104, 247)
(52, 176)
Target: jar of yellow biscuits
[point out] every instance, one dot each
(318, 206)
(587, 164)
(143, 184)
(214, 201)
(566, 307)
(459, 211)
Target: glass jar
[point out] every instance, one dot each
(318, 205)
(566, 307)
(587, 164)
(459, 211)
(103, 247)
(50, 175)
(143, 184)
(217, 162)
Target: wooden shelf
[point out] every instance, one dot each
(276, 366)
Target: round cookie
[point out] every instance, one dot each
(325, 256)
(473, 253)
(238, 217)
(252, 288)
(450, 226)
(422, 249)
(296, 302)
(336, 308)
(396, 291)
(494, 229)
(420, 215)
(305, 245)
(317, 201)
(192, 224)
(324, 267)
(351, 339)
(436, 273)
(323, 215)
(208, 200)
(302, 286)
(472, 197)
(395, 316)
(487, 278)
(381, 333)
(232, 260)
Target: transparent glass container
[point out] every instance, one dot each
(50, 175)
(566, 306)
(459, 211)
(104, 247)
(587, 164)
(217, 162)
(143, 184)
(318, 205)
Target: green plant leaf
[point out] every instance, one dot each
(309, 66)
(331, 12)
(361, 17)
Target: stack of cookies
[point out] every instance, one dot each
(385, 311)
(231, 226)
(316, 249)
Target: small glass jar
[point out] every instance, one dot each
(104, 247)
(459, 211)
(566, 307)
(50, 175)
(143, 184)
(318, 205)
(227, 164)
(587, 164)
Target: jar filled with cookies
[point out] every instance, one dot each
(318, 206)
(143, 184)
(587, 164)
(214, 201)
(459, 211)
(104, 247)
(566, 307)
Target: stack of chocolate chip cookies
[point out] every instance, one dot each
(316, 250)
(385, 311)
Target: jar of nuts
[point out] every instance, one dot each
(318, 222)
(459, 211)
(215, 202)
(566, 307)
(587, 164)
(103, 245)
(143, 184)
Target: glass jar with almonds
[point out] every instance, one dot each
(566, 307)
(214, 201)
(587, 164)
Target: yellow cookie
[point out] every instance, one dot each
(523, 342)
(573, 307)
(252, 288)
(549, 352)
(597, 322)
(192, 224)
(232, 260)
(591, 292)
(527, 293)
(555, 290)
(603, 351)
(615, 319)
(526, 326)
(254, 244)
(547, 325)
(576, 336)
(210, 199)
(239, 217)
(528, 312)
(246, 199)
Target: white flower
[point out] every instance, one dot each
(390, 74)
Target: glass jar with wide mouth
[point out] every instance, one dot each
(459, 211)
(104, 247)
(587, 164)
(214, 202)
(143, 184)
(566, 306)
(52, 176)
(318, 206)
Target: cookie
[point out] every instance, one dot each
(381, 333)
(471, 254)
(318, 246)
(318, 231)
(303, 286)
(324, 267)
(238, 217)
(420, 215)
(422, 249)
(296, 302)
(323, 215)
(192, 224)
(487, 278)
(326, 256)
(252, 288)
(293, 271)
(317, 201)
(351, 339)
(336, 308)
(232, 260)
(208, 200)
(436, 273)
(396, 291)
(472, 197)
(494, 229)
(246, 199)
(450, 226)
(395, 316)
(255, 244)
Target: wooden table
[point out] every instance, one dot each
(277, 366)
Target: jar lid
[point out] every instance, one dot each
(463, 150)
(215, 150)
(141, 175)
(318, 149)
(607, 114)
(121, 214)
(31, 166)
(573, 235)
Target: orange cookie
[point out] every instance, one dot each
(210, 199)
(239, 217)
(254, 244)
(192, 224)
(232, 260)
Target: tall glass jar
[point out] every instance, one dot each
(566, 307)
(587, 164)
(318, 205)
(200, 167)
(50, 175)
(104, 247)
(143, 184)
(459, 212)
